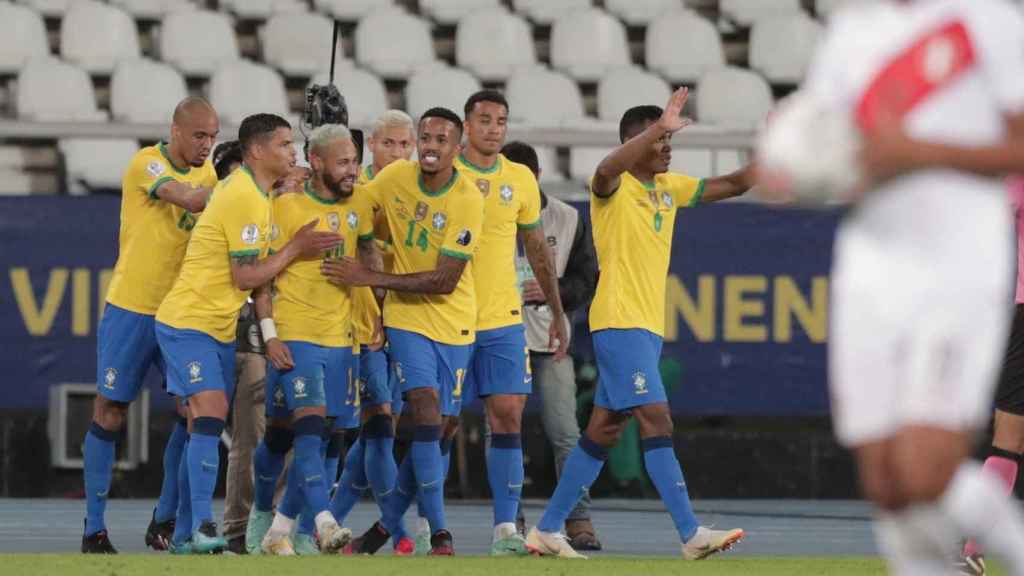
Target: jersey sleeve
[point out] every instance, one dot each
(239, 218)
(365, 211)
(686, 190)
(529, 210)
(999, 34)
(147, 174)
(463, 233)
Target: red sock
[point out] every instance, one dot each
(1006, 470)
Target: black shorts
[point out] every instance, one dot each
(1010, 394)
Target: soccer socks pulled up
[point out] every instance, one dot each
(203, 463)
(505, 473)
(394, 508)
(1003, 465)
(977, 503)
(99, 468)
(379, 461)
(580, 470)
(167, 506)
(428, 466)
(332, 456)
(183, 518)
(309, 462)
(268, 462)
(352, 483)
(667, 475)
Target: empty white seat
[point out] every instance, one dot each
(451, 11)
(91, 164)
(52, 91)
(547, 11)
(364, 92)
(781, 47)
(733, 97)
(22, 37)
(197, 41)
(150, 9)
(351, 10)
(492, 43)
(695, 162)
(583, 160)
(252, 9)
(299, 43)
(825, 8)
(238, 89)
(49, 8)
(282, 6)
(641, 12)
(96, 36)
(682, 46)
(587, 42)
(393, 43)
(624, 88)
(439, 86)
(145, 91)
(550, 171)
(746, 12)
(542, 97)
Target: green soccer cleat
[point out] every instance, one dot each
(422, 537)
(257, 528)
(514, 545)
(305, 545)
(206, 541)
(180, 548)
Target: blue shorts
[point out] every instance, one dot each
(627, 369)
(375, 386)
(125, 348)
(196, 361)
(419, 362)
(499, 363)
(303, 385)
(343, 397)
(397, 397)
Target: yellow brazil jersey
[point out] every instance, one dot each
(365, 310)
(307, 307)
(154, 233)
(511, 202)
(633, 239)
(424, 225)
(236, 223)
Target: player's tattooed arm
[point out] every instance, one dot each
(262, 302)
(276, 350)
(441, 280)
(729, 185)
(183, 195)
(307, 243)
(371, 257)
(538, 253)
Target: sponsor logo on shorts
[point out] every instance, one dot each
(278, 397)
(639, 383)
(300, 387)
(398, 372)
(109, 378)
(195, 372)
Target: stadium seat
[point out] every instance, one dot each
(49, 8)
(746, 12)
(825, 8)
(642, 12)
(394, 43)
(284, 6)
(624, 88)
(682, 46)
(351, 10)
(733, 97)
(451, 11)
(249, 9)
(150, 9)
(583, 160)
(550, 171)
(588, 42)
(492, 43)
(695, 162)
(299, 43)
(96, 36)
(542, 97)
(22, 37)
(238, 89)
(53, 91)
(197, 41)
(364, 92)
(781, 47)
(145, 91)
(91, 164)
(547, 11)
(439, 86)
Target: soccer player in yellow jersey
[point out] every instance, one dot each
(225, 260)
(633, 208)
(498, 370)
(162, 187)
(433, 215)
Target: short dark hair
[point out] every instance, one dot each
(257, 127)
(637, 117)
(224, 155)
(484, 96)
(522, 153)
(443, 114)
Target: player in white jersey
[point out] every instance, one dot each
(922, 266)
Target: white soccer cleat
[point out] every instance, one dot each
(333, 538)
(707, 542)
(550, 544)
(274, 545)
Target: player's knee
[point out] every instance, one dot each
(605, 435)
(654, 421)
(451, 427)
(110, 415)
(424, 406)
(378, 410)
(279, 439)
(883, 490)
(505, 414)
(213, 404)
(924, 482)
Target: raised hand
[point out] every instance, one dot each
(672, 119)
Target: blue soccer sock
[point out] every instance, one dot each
(394, 508)
(99, 468)
(203, 463)
(665, 472)
(183, 518)
(352, 484)
(167, 506)
(505, 473)
(332, 457)
(580, 470)
(308, 460)
(292, 500)
(428, 466)
(268, 462)
(381, 470)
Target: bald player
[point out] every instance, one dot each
(162, 189)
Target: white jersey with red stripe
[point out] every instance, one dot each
(923, 264)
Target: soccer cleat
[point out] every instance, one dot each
(441, 544)
(305, 545)
(550, 544)
(158, 534)
(422, 537)
(236, 545)
(180, 548)
(257, 528)
(97, 543)
(973, 565)
(514, 545)
(707, 542)
(206, 541)
(370, 541)
(276, 546)
(405, 547)
(334, 538)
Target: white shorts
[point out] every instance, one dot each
(917, 335)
